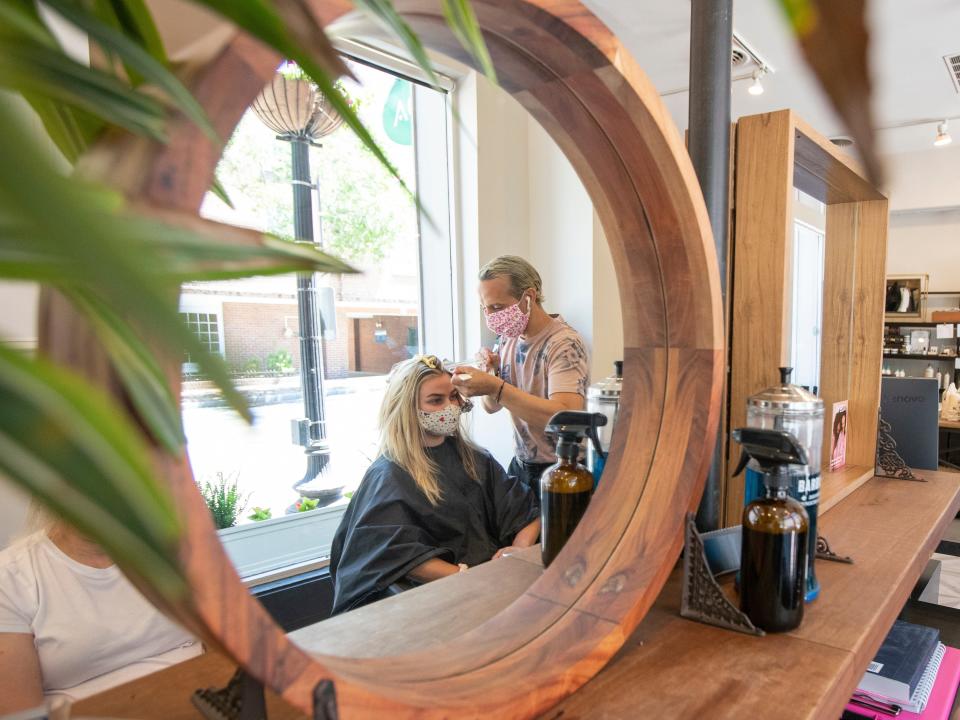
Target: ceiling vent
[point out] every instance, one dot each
(953, 67)
(842, 141)
(738, 57)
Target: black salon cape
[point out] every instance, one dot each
(390, 527)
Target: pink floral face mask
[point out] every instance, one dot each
(509, 322)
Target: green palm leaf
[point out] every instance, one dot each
(386, 15)
(39, 70)
(463, 22)
(142, 377)
(138, 61)
(67, 444)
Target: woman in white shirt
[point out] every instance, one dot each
(72, 625)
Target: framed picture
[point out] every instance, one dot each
(838, 436)
(906, 297)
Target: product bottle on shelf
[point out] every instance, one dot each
(795, 410)
(567, 486)
(773, 564)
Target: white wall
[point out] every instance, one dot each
(924, 191)
(927, 242)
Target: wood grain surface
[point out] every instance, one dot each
(671, 667)
(775, 153)
(763, 221)
(572, 74)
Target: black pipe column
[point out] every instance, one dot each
(308, 311)
(711, 37)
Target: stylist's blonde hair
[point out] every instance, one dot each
(402, 438)
(521, 275)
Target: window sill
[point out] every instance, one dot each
(279, 547)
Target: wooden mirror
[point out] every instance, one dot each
(573, 75)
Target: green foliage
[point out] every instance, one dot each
(250, 366)
(280, 361)
(364, 213)
(306, 504)
(224, 500)
(260, 513)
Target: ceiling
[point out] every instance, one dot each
(909, 40)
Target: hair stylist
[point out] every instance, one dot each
(539, 364)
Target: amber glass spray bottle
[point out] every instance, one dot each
(567, 486)
(773, 561)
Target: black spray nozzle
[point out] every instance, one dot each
(618, 368)
(772, 449)
(571, 425)
(785, 373)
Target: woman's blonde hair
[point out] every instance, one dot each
(402, 438)
(521, 275)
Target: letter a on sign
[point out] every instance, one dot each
(398, 113)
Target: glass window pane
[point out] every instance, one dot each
(369, 320)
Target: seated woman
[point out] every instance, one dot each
(432, 503)
(72, 625)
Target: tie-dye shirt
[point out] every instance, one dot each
(552, 361)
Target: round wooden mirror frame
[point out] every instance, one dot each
(572, 74)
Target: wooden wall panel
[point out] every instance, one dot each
(867, 353)
(836, 331)
(763, 219)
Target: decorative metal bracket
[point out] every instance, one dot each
(825, 553)
(325, 701)
(703, 599)
(889, 464)
(241, 699)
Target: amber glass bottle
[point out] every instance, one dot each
(565, 492)
(773, 566)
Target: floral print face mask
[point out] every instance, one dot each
(509, 322)
(445, 421)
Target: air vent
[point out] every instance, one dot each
(738, 57)
(842, 141)
(953, 67)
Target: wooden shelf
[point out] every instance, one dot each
(835, 485)
(911, 356)
(676, 668)
(909, 323)
(889, 527)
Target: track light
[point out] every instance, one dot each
(943, 137)
(756, 87)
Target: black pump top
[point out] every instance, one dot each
(618, 368)
(772, 449)
(785, 373)
(570, 426)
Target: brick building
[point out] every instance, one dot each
(253, 323)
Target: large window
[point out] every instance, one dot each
(370, 320)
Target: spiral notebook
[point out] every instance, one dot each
(940, 689)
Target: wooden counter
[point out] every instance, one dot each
(671, 667)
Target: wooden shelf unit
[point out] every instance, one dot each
(775, 153)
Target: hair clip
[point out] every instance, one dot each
(431, 361)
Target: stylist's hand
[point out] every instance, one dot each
(480, 383)
(505, 552)
(488, 361)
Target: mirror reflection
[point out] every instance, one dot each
(400, 412)
(805, 273)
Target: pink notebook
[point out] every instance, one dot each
(941, 697)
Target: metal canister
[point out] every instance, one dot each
(800, 412)
(604, 397)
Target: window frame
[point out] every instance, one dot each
(261, 551)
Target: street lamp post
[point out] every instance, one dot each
(292, 107)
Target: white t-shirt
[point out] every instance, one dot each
(92, 629)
